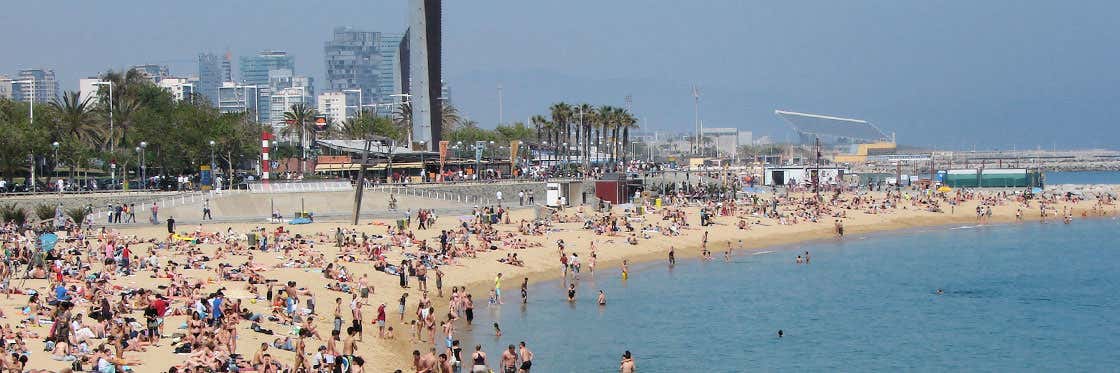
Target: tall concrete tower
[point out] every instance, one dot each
(425, 23)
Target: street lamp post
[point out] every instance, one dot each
(139, 163)
(143, 168)
(54, 146)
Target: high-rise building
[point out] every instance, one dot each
(38, 83)
(333, 106)
(361, 60)
(212, 72)
(154, 73)
(5, 87)
(255, 70)
(425, 69)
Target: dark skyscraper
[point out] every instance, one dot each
(212, 71)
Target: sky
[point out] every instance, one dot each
(990, 74)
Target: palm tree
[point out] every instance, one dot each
(75, 118)
(604, 117)
(125, 101)
(299, 119)
(561, 116)
(584, 133)
(74, 121)
(402, 118)
(539, 122)
(450, 116)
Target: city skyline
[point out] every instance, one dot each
(949, 75)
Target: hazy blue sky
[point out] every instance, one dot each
(943, 73)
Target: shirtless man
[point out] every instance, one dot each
(349, 345)
(526, 358)
(509, 360)
(428, 363)
(602, 301)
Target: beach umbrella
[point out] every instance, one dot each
(47, 241)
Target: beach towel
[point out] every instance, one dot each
(300, 220)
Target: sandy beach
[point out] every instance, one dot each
(540, 263)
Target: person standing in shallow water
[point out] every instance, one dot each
(525, 291)
(672, 256)
(627, 363)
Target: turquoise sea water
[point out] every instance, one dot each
(1083, 177)
(1026, 297)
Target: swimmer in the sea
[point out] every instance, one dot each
(602, 298)
(572, 293)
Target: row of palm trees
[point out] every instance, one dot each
(300, 123)
(581, 125)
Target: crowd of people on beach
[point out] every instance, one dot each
(108, 296)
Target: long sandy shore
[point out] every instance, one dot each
(540, 264)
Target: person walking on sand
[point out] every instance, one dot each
(206, 210)
(171, 225)
(155, 213)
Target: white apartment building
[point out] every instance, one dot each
(333, 106)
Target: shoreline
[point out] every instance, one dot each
(818, 233)
(477, 274)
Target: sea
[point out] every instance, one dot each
(1015, 298)
(1083, 177)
